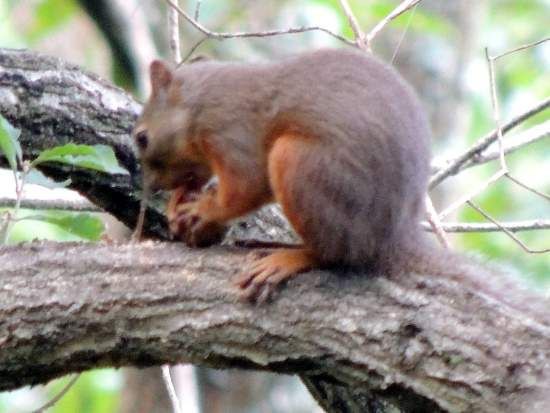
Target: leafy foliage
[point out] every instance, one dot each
(97, 157)
(62, 226)
(9, 143)
(56, 225)
(34, 176)
(50, 15)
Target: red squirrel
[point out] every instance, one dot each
(335, 136)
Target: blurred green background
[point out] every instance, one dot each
(439, 48)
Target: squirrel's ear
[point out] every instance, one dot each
(161, 76)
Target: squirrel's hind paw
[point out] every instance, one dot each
(258, 283)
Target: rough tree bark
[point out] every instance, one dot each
(454, 341)
(416, 341)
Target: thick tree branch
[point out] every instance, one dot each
(435, 339)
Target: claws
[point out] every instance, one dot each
(185, 219)
(258, 284)
(189, 226)
(260, 281)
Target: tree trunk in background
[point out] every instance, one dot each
(144, 392)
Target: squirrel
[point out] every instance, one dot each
(336, 137)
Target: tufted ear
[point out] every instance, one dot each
(161, 76)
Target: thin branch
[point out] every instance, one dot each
(193, 49)
(170, 388)
(223, 35)
(197, 10)
(521, 140)
(507, 232)
(517, 49)
(516, 226)
(174, 34)
(402, 37)
(496, 110)
(435, 223)
(453, 165)
(533, 190)
(466, 198)
(402, 8)
(360, 39)
(61, 204)
(58, 396)
(4, 221)
(503, 167)
(19, 180)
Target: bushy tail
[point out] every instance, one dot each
(489, 280)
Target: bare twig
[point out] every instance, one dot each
(516, 226)
(170, 387)
(496, 110)
(507, 232)
(525, 46)
(402, 8)
(465, 198)
(197, 10)
(360, 39)
(58, 396)
(435, 223)
(453, 165)
(521, 140)
(503, 167)
(19, 180)
(192, 50)
(403, 34)
(4, 221)
(533, 190)
(223, 35)
(502, 160)
(174, 33)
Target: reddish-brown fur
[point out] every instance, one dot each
(335, 136)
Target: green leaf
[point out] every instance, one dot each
(84, 226)
(98, 157)
(9, 143)
(38, 178)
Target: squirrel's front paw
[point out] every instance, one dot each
(188, 225)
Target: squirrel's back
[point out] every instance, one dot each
(377, 157)
(362, 164)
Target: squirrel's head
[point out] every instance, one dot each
(167, 143)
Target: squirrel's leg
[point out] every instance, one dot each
(285, 160)
(238, 192)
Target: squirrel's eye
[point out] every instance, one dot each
(142, 139)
